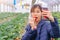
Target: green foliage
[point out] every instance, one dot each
(12, 29)
(5, 15)
(57, 15)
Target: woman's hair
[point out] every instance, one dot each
(35, 6)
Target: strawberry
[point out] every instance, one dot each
(45, 17)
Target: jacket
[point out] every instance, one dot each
(44, 31)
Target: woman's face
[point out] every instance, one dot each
(36, 13)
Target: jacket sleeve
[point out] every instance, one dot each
(53, 29)
(29, 34)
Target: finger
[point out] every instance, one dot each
(34, 18)
(31, 20)
(45, 15)
(46, 11)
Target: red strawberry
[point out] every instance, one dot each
(45, 17)
(35, 19)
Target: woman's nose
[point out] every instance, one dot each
(35, 14)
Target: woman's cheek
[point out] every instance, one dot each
(32, 15)
(39, 15)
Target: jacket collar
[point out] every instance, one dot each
(42, 22)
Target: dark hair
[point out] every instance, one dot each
(35, 6)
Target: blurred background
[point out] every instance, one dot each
(14, 16)
(19, 5)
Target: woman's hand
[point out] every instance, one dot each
(48, 14)
(32, 23)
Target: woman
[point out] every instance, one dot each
(38, 29)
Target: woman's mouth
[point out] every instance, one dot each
(36, 18)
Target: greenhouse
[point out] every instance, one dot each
(14, 16)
